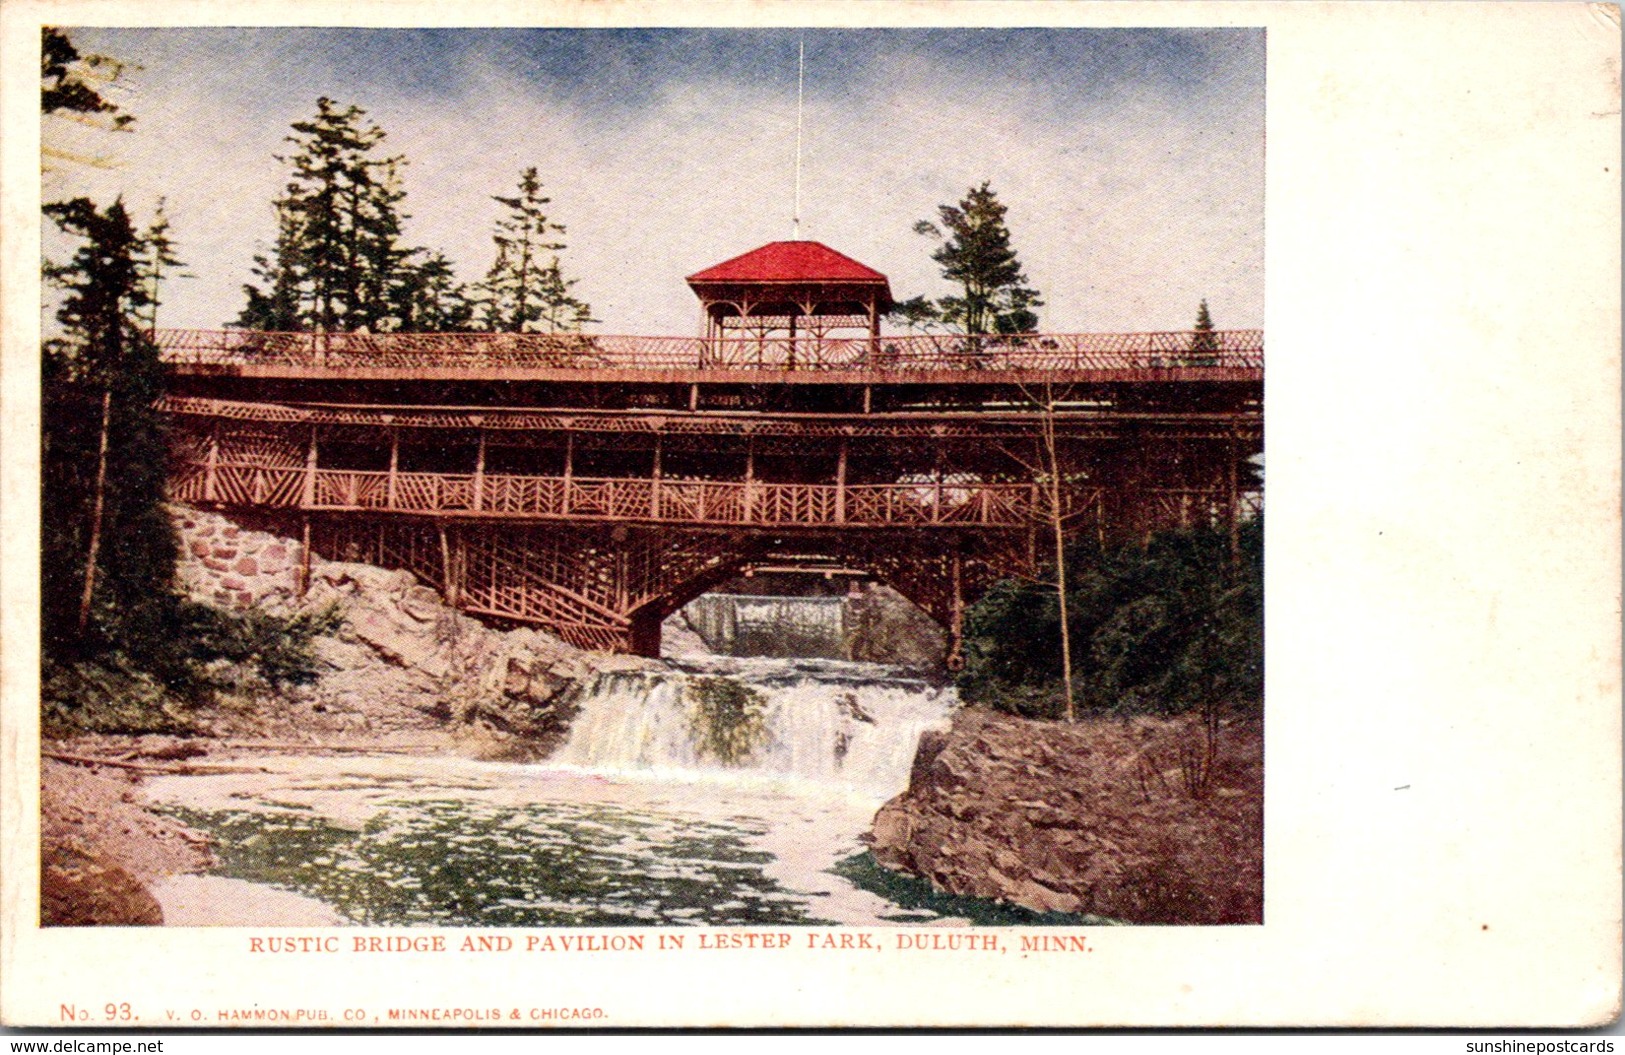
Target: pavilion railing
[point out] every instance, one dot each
(752, 502)
(1242, 349)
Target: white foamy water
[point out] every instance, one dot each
(631, 823)
(852, 727)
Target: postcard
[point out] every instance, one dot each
(659, 515)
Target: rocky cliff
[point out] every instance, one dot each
(1142, 820)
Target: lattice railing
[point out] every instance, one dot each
(608, 498)
(1043, 352)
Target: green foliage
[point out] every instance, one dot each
(278, 648)
(107, 696)
(339, 263)
(976, 255)
(525, 289)
(1204, 347)
(1162, 628)
(102, 378)
(435, 301)
(149, 682)
(67, 80)
(157, 258)
(728, 719)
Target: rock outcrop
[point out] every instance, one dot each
(883, 626)
(1142, 820)
(399, 662)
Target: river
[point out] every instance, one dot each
(717, 791)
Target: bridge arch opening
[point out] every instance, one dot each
(773, 609)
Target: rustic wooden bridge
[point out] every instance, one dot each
(593, 484)
(566, 481)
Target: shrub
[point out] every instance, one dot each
(1162, 628)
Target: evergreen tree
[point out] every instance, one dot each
(435, 302)
(107, 550)
(1204, 349)
(158, 256)
(278, 309)
(338, 259)
(525, 289)
(1171, 625)
(977, 256)
(66, 79)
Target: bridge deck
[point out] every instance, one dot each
(1229, 355)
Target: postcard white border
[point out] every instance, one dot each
(1443, 803)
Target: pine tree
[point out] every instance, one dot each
(1204, 347)
(977, 256)
(278, 310)
(435, 302)
(338, 258)
(157, 257)
(525, 288)
(108, 550)
(67, 78)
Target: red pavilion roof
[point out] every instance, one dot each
(790, 262)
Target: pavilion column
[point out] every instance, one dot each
(750, 478)
(873, 351)
(479, 475)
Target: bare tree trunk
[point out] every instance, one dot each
(96, 514)
(1055, 513)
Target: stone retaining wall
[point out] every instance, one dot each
(232, 567)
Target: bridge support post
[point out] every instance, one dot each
(304, 558)
(955, 660)
(394, 467)
(212, 464)
(840, 482)
(654, 482)
(643, 635)
(569, 472)
(308, 498)
(750, 479)
(1232, 499)
(448, 570)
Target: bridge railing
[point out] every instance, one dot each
(570, 351)
(726, 502)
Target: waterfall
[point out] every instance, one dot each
(851, 726)
(753, 625)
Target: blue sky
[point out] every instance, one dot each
(1131, 160)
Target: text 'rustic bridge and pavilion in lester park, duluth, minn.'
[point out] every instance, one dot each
(592, 484)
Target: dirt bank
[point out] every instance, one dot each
(100, 848)
(1145, 820)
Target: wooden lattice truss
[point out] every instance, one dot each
(602, 559)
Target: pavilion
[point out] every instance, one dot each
(783, 290)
